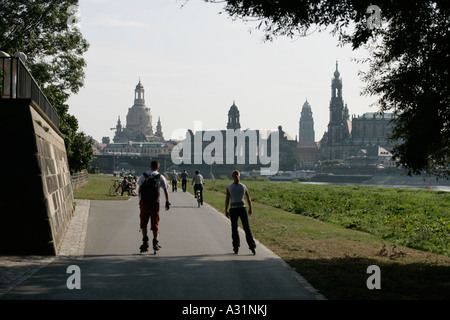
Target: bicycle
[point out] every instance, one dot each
(198, 198)
(116, 188)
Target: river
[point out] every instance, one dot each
(400, 186)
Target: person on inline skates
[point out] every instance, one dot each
(235, 194)
(149, 184)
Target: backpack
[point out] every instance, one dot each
(150, 188)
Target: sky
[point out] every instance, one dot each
(195, 62)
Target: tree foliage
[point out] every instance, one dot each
(409, 62)
(54, 53)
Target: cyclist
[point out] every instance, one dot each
(198, 183)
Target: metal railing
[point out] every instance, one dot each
(16, 82)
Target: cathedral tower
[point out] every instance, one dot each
(337, 127)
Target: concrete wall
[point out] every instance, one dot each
(37, 195)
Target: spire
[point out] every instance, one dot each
(159, 132)
(336, 73)
(119, 126)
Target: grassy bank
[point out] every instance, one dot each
(331, 234)
(417, 219)
(98, 189)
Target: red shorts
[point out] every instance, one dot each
(149, 211)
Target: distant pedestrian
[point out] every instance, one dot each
(174, 181)
(184, 179)
(198, 182)
(149, 184)
(235, 195)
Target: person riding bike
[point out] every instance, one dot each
(198, 183)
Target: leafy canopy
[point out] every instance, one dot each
(54, 50)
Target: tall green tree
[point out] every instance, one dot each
(54, 47)
(409, 62)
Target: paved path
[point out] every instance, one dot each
(195, 263)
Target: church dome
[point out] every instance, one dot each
(306, 105)
(233, 118)
(139, 86)
(233, 109)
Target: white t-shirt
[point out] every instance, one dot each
(162, 180)
(198, 179)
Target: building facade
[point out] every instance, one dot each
(136, 149)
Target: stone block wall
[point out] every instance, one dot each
(79, 179)
(37, 195)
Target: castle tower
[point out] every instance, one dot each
(336, 103)
(306, 124)
(233, 118)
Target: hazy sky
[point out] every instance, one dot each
(194, 62)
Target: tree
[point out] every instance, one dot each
(408, 63)
(54, 50)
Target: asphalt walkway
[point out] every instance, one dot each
(196, 261)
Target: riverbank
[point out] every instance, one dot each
(383, 181)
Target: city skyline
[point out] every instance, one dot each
(194, 63)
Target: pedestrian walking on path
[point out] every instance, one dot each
(149, 197)
(175, 179)
(184, 179)
(235, 194)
